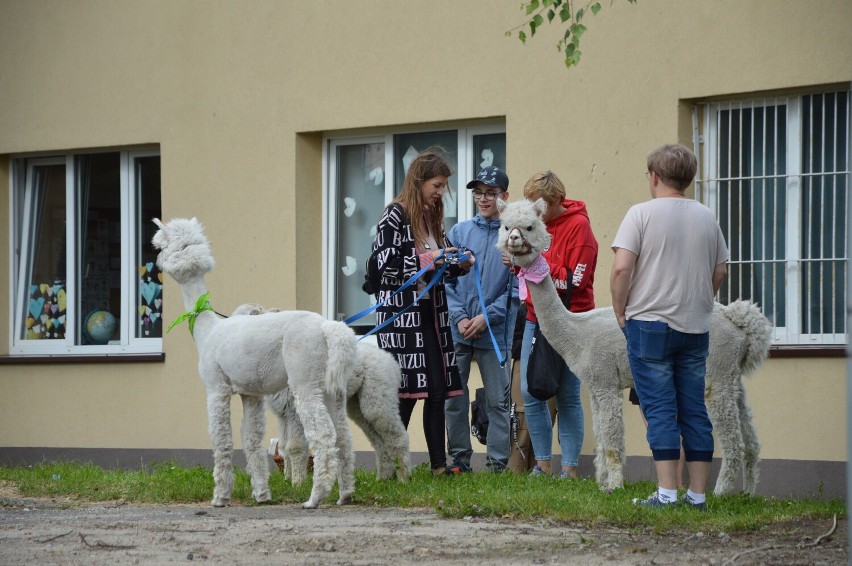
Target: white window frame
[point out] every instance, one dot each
(468, 166)
(707, 190)
(21, 215)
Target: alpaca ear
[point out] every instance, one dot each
(540, 206)
(161, 225)
(501, 205)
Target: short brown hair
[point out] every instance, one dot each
(674, 164)
(546, 185)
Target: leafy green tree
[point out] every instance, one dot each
(537, 10)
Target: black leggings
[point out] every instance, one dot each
(434, 424)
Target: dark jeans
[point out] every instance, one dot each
(668, 373)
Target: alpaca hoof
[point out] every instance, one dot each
(221, 502)
(310, 505)
(345, 499)
(263, 496)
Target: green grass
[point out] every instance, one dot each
(507, 496)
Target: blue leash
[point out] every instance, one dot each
(500, 357)
(438, 273)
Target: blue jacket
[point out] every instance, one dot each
(480, 236)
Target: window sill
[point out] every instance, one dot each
(807, 352)
(84, 358)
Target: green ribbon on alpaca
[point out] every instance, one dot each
(201, 305)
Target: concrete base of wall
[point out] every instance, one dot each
(778, 478)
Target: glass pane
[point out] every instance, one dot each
(98, 185)
(45, 264)
(823, 212)
(149, 302)
(406, 148)
(489, 149)
(360, 199)
(752, 205)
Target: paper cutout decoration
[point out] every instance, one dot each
(487, 158)
(350, 266)
(350, 206)
(377, 176)
(408, 158)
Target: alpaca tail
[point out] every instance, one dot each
(340, 344)
(748, 317)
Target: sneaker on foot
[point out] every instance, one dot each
(537, 471)
(568, 475)
(687, 501)
(653, 500)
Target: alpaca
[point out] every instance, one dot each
(372, 404)
(594, 348)
(257, 356)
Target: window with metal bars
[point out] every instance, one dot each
(775, 171)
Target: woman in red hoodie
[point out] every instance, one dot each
(572, 258)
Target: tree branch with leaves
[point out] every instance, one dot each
(538, 10)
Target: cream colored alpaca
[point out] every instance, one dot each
(373, 404)
(594, 348)
(253, 356)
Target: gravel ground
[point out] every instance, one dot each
(54, 531)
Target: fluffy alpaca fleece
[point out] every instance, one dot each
(257, 356)
(594, 348)
(373, 404)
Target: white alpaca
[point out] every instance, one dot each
(373, 404)
(594, 348)
(257, 356)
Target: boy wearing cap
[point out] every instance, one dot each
(470, 333)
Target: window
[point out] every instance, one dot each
(84, 274)
(775, 171)
(364, 174)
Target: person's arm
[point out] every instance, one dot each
(719, 275)
(579, 263)
(619, 282)
(388, 259)
(455, 306)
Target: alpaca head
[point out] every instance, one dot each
(184, 249)
(522, 232)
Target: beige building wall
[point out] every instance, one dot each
(238, 96)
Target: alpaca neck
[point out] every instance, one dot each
(192, 290)
(555, 320)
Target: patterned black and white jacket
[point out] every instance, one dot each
(393, 261)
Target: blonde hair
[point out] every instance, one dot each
(424, 219)
(546, 185)
(674, 164)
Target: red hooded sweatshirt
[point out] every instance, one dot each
(572, 257)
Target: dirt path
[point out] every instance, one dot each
(42, 531)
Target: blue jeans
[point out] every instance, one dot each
(569, 412)
(668, 374)
(497, 383)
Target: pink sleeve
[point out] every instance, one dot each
(425, 259)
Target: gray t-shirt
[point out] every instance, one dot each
(678, 244)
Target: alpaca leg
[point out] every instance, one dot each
(295, 446)
(219, 427)
(254, 421)
(601, 473)
(346, 471)
(322, 440)
(384, 465)
(608, 425)
(723, 412)
(380, 421)
(751, 452)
